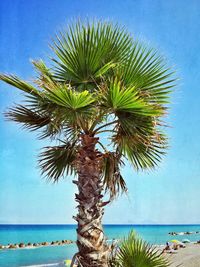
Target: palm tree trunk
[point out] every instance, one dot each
(93, 251)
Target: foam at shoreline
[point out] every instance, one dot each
(44, 265)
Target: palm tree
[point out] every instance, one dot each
(134, 252)
(102, 83)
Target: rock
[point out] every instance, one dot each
(45, 243)
(53, 243)
(29, 244)
(21, 245)
(12, 246)
(68, 241)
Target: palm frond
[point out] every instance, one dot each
(57, 161)
(113, 181)
(20, 84)
(87, 51)
(142, 150)
(146, 70)
(133, 251)
(78, 107)
(45, 73)
(65, 96)
(118, 98)
(30, 119)
(41, 67)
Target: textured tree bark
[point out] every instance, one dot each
(93, 251)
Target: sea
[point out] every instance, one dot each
(55, 255)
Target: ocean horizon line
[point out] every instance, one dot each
(105, 224)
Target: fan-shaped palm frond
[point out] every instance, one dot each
(57, 161)
(44, 117)
(112, 178)
(87, 51)
(118, 99)
(65, 96)
(30, 119)
(133, 252)
(142, 150)
(78, 107)
(146, 70)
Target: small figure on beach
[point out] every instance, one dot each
(170, 248)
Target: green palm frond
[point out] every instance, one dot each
(133, 251)
(20, 84)
(57, 161)
(65, 96)
(132, 124)
(77, 107)
(112, 178)
(119, 99)
(41, 67)
(87, 51)
(143, 151)
(45, 74)
(146, 70)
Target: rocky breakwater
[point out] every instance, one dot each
(35, 245)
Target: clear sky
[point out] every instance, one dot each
(168, 195)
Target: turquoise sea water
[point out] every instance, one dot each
(46, 256)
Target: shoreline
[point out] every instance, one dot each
(187, 257)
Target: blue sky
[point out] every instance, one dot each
(168, 195)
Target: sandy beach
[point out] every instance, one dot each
(186, 257)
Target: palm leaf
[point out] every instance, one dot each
(30, 119)
(87, 51)
(45, 74)
(20, 84)
(142, 150)
(67, 97)
(147, 72)
(58, 161)
(112, 178)
(133, 251)
(118, 98)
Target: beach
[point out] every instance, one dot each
(186, 257)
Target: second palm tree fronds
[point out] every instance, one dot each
(134, 252)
